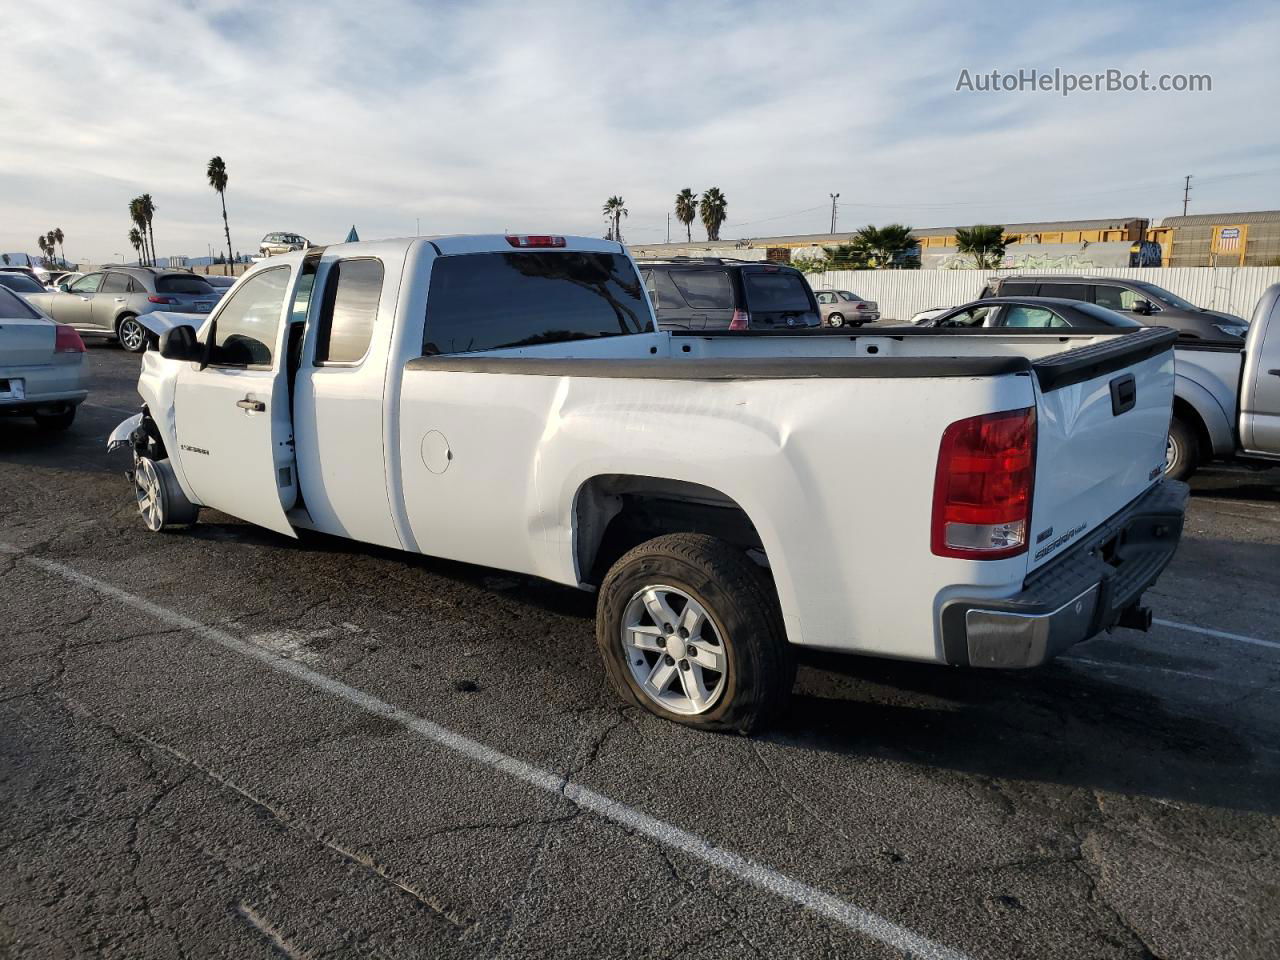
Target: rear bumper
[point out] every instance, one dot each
(1081, 593)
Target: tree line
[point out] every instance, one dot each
(710, 208)
(895, 247)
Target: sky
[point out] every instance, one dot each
(485, 116)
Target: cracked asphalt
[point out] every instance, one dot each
(164, 796)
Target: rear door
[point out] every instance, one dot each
(1101, 422)
(778, 298)
(234, 424)
(111, 297)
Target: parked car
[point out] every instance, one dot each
(220, 282)
(714, 490)
(42, 373)
(1032, 313)
(1154, 304)
(25, 271)
(274, 244)
(109, 302)
(66, 276)
(20, 282)
(839, 307)
(714, 293)
(1227, 405)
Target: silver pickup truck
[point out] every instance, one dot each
(1227, 400)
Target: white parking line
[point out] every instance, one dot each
(1220, 634)
(908, 942)
(1148, 668)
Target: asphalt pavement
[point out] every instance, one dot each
(225, 742)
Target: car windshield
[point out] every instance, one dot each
(183, 283)
(846, 295)
(1172, 299)
(1110, 317)
(20, 282)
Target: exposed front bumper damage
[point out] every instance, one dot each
(1094, 586)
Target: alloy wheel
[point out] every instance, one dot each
(674, 650)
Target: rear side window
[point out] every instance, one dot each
(115, 283)
(776, 292)
(350, 308)
(183, 283)
(14, 307)
(1066, 291)
(487, 301)
(247, 327)
(704, 289)
(1021, 316)
(1015, 289)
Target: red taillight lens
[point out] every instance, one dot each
(155, 299)
(66, 340)
(982, 490)
(535, 241)
(739, 321)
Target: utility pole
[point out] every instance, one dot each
(834, 197)
(1186, 193)
(668, 228)
(417, 226)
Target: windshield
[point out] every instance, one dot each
(1172, 299)
(20, 282)
(183, 283)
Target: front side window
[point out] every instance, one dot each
(488, 301)
(973, 317)
(1161, 294)
(1115, 298)
(115, 283)
(350, 308)
(247, 327)
(87, 284)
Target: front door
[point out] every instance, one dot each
(76, 307)
(233, 419)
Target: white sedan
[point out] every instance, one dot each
(42, 368)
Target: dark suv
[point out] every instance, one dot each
(1156, 305)
(713, 293)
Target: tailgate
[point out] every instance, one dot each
(1102, 420)
(25, 342)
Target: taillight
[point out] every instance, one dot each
(155, 299)
(862, 306)
(739, 321)
(66, 340)
(982, 490)
(535, 241)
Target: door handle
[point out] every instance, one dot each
(257, 406)
(119, 299)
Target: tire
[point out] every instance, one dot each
(836, 319)
(1182, 455)
(741, 628)
(131, 334)
(55, 421)
(161, 502)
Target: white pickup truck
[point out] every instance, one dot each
(962, 497)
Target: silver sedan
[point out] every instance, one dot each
(840, 307)
(42, 369)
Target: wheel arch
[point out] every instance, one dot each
(1198, 408)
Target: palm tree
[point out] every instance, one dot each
(217, 174)
(140, 223)
(984, 242)
(135, 241)
(149, 211)
(614, 210)
(884, 246)
(687, 210)
(60, 236)
(51, 242)
(712, 207)
(44, 251)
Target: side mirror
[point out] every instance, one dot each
(1143, 307)
(64, 287)
(180, 343)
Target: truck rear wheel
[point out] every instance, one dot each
(1182, 454)
(689, 628)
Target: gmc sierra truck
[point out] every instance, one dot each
(961, 497)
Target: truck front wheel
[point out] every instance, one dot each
(689, 628)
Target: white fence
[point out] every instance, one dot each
(901, 293)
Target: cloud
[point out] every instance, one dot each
(491, 115)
